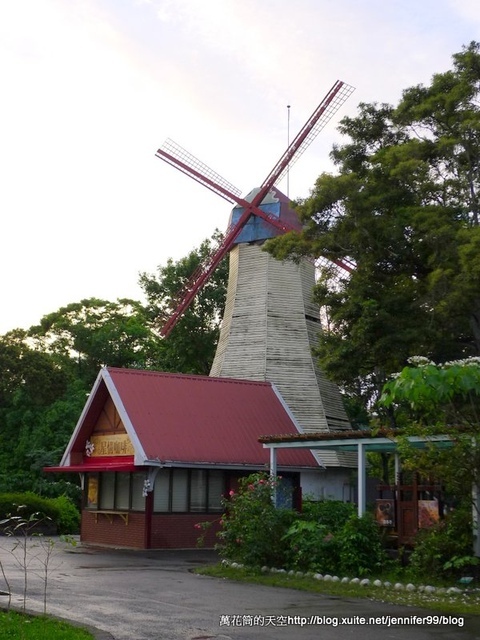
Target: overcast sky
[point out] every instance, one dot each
(91, 88)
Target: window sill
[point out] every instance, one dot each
(110, 514)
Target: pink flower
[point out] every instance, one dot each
(231, 493)
(197, 526)
(251, 487)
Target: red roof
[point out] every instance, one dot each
(187, 420)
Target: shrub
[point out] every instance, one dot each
(333, 514)
(68, 521)
(361, 549)
(252, 527)
(311, 547)
(56, 514)
(445, 549)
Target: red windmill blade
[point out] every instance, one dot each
(177, 157)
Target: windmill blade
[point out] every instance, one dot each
(334, 99)
(199, 277)
(175, 155)
(337, 269)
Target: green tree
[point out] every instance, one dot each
(92, 333)
(32, 385)
(190, 347)
(428, 399)
(404, 209)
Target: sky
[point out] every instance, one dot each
(91, 88)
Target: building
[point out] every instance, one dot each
(157, 451)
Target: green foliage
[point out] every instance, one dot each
(68, 520)
(252, 527)
(361, 549)
(404, 207)
(327, 537)
(447, 393)
(444, 550)
(60, 512)
(311, 547)
(333, 514)
(92, 333)
(47, 372)
(425, 399)
(333, 539)
(27, 627)
(190, 347)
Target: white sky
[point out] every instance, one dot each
(91, 88)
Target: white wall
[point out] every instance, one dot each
(330, 484)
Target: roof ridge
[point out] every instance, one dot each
(190, 376)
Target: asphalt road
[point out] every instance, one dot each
(140, 595)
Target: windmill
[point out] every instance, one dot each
(270, 324)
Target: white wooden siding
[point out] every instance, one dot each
(267, 335)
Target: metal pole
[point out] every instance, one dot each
(288, 144)
(361, 480)
(273, 473)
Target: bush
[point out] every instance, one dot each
(54, 515)
(445, 549)
(311, 547)
(327, 537)
(333, 514)
(68, 521)
(361, 549)
(252, 527)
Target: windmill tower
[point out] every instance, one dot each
(270, 324)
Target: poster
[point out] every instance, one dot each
(428, 513)
(385, 512)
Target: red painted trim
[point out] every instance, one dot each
(104, 463)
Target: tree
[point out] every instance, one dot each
(31, 386)
(47, 371)
(92, 333)
(404, 208)
(429, 399)
(190, 347)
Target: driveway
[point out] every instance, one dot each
(150, 595)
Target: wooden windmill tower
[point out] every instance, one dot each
(270, 324)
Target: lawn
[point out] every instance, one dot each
(17, 626)
(465, 603)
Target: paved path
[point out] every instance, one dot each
(154, 595)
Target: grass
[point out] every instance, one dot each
(19, 626)
(466, 603)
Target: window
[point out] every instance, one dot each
(107, 491)
(216, 489)
(122, 491)
(188, 490)
(179, 489)
(112, 491)
(198, 490)
(137, 497)
(161, 494)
